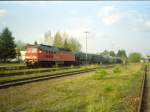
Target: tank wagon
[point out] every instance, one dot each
(80, 58)
(50, 55)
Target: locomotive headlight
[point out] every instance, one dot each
(27, 57)
(34, 57)
(40, 51)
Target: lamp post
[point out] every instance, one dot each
(86, 33)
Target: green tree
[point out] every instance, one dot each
(1, 50)
(74, 45)
(66, 40)
(66, 44)
(105, 53)
(7, 45)
(58, 42)
(134, 57)
(112, 53)
(35, 43)
(122, 55)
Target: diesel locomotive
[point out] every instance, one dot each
(48, 55)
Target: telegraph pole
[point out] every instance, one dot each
(86, 33)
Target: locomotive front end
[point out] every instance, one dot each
(31, 57)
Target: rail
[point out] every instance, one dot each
(141, 100)
(40, 78)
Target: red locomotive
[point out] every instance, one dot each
(48, 55)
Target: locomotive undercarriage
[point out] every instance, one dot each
(49, 63)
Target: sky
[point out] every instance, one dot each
(112, 25)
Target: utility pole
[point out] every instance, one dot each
(86, 33)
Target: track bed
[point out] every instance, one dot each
(78, 93)
(145, 106)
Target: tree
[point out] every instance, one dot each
(134, 57)
(66, 40)
(108, 53)
(112, 53)
(0, 48)
(58, 42)
(105, 53)
(7, 45)
(35, 43)
(20, 45)
(74, 45)
(122, 55)
(66, 44)
(48, 39)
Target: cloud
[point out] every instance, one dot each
(136, 20)
(147, 23)
(109, 15)
(131, 19)
(78, 25)
(134, 15)
(3, 12)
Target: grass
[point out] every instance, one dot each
(84, 93)
(117, 70)
(100, 73)
(11, 64)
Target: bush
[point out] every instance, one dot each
(100, 73)
(109, 88)
(134, 57)
(117, 69)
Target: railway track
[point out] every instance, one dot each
(143, 99)
(12, 67)
(30, 71)
(5, 68)
(21, 67)
(26, 71)
(40, 78)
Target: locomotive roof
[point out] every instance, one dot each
(48, 47)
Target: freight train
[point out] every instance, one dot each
(44, 55)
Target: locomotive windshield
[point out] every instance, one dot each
(32, 50)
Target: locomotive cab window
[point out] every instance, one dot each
(34, 50)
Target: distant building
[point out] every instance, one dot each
(146, 58)
(22, 57)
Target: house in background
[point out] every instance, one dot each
(146, 58)
(22, 55)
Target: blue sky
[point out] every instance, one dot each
(112, 25)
